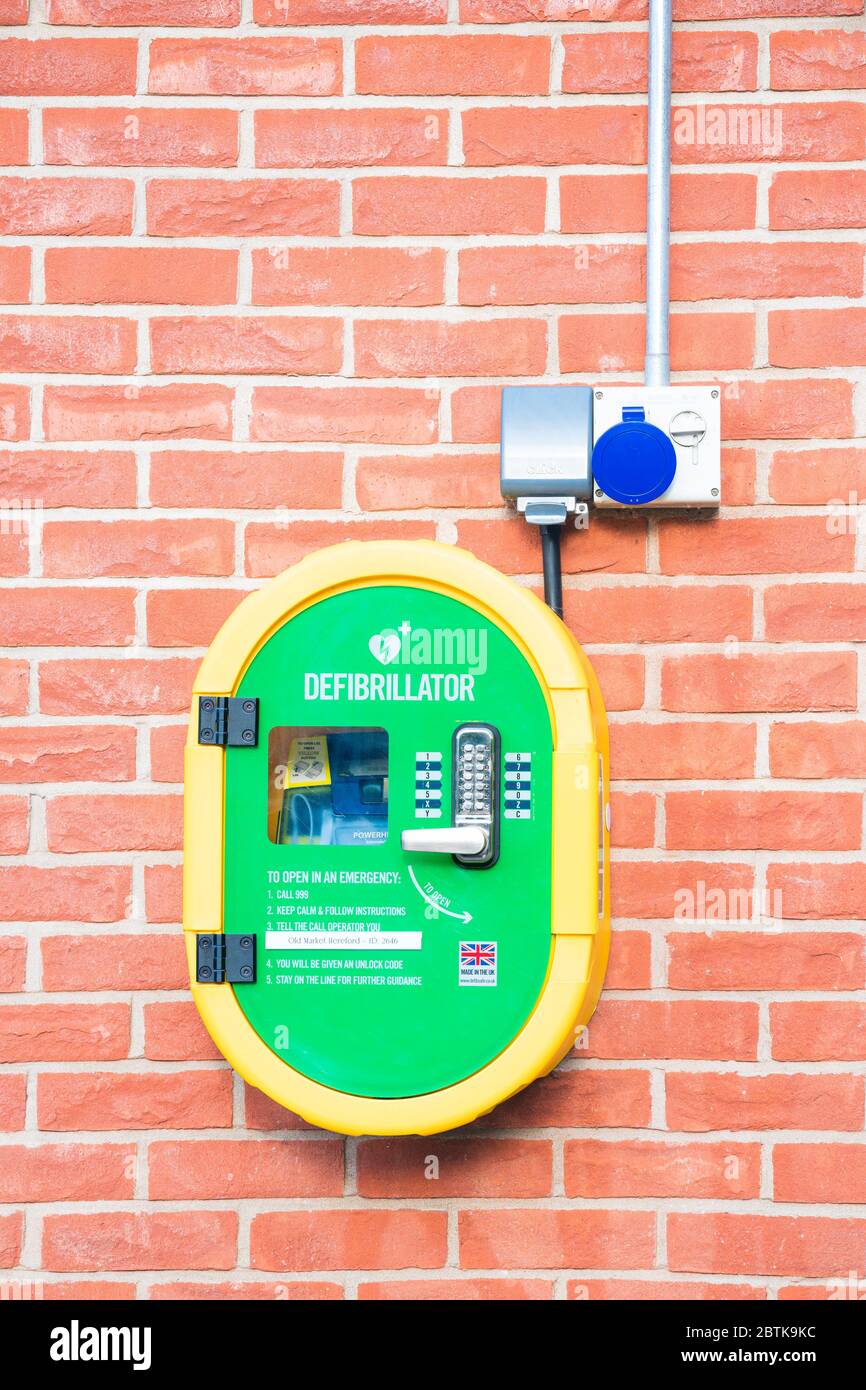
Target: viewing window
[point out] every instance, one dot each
(327, 786)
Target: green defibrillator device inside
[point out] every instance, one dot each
(395, 880)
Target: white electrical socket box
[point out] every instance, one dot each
(691, 418)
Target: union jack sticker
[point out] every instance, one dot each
(477, 963)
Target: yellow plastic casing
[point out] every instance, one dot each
(580, 919)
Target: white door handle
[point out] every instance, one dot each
(451, 839)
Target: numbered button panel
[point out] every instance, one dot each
(517, 777)
(475, 784)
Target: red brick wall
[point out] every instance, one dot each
(264, 281)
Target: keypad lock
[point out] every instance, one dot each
(473, 839)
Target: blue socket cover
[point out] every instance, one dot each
(634, 462)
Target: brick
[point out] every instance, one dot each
(498, 135)
(13, 1095)
(351, 12)
(464, 1290)
(431, 348)
(622, 679)
(702, 1101)
(174, 1032)
(809, 477)
(705, 750)
(135, 1100)
(764, 270)
(616, 342)
(667, 1290)
(272, 546)
(114, 135)
(634, 817)
(825, 1031)
(67, 67)
(305, 479)
(174, 411)
(588, 1239)
(824, 61)
(92, 824)
(818, 890)
(615, 548)
(166, 752)
(86, 893)
(71, 1290)
(817, 338)
(789, 612)
(660, 613)
(819, 1173)
(677, 888)
(131, 687)
(14, 275)
(727, 1243)
(739, 468)
(336, 138)
(789, 681)
(51, 617)
(162, 892)
(162, 12)
(14, 412)
(14, 136)
(14, 824)
(636, 1029)
(754, 545)
(246, 344)
(580, 1098)
(294, 1292)
(140, 1240)
(550, 275)
(68, 343)
(617, 202)
(14, 546)
(164, 547)
(345, 414)
(813, 132)
(448, 206)
(262, 1113)
(453, 65)
(63, 1032)
(373, 1239)
(121, 961)
(701, 62)
(639, 1168)
(787, 409)
(437, 1167)
(257, 66)
(67, 1172)
(243, 207)
(139, 275)
(14, 687)
(65, 206)
(409, 481)
(817, 198)
(379, 275)
(629, 963)
(11, 1237)
(188, 617)
(813, 749)
(14, 11)
(766, 961)
(70, 477)
(556, 11)
(204, 1169)
(763, 820)
(13, 960)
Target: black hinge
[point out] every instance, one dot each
(225, 958)
(228, 721)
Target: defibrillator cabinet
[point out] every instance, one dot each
(396, 838)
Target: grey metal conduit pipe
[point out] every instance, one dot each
(657, 366)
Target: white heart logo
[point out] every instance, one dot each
(385, 646)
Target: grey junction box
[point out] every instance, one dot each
(546, 442)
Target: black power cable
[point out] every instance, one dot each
(551, 561)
